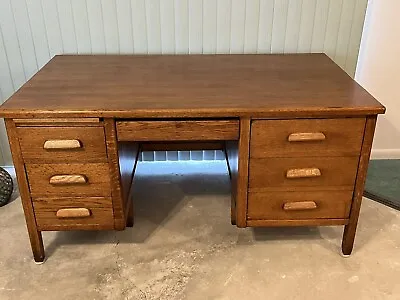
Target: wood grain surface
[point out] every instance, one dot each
(343, 137)
(270, 205)
(91, 139)
(35, 235)
(350, 230)
(101, 213)
(97, 175)
(270, 173)
(295, 223)
(178, 86)
(182, 130)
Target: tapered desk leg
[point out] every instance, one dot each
(350, 229)
(35, 235)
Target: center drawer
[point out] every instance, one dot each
(178, 130)
(69, 179)
(316, 173)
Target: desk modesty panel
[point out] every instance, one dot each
(296, 129)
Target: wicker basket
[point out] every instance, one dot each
(6, 187)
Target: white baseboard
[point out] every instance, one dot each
(385, 154)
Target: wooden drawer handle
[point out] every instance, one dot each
(62, 144)
(306, 137)
(305, 205)
(73, 213)
(68, 179)
(303, 173)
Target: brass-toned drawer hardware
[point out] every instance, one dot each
(306, 137)
(303, 173)
(304, 205)
(62, 144)
(73, 213)
(67, 179)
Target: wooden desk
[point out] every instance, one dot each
(296, 129)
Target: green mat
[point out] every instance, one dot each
(383, 182)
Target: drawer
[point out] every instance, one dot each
(73, 213)
(209, 130)
(62, 144)
(312, 172)
(69, 179)
(306, 137)
(299, 205)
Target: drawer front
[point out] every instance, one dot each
(210, 130)
(69, 179)
(62, 144)
(73, 213)
(307, 137)
(299, 205)
(316, 173)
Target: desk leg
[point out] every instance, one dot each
(237, 156)
(35, 236)
(350, 229)
(129, 220)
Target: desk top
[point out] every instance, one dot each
(178, 86)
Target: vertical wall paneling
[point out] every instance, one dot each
(111, 33)
(81, 24)
(266, 17)
(344, 32)
(33, 31)
(279, 25)
(53, 29)
(332, 27)
(252, 20)
(11, 44)
(67, 26)
(306, 26)
(293, 26)
(319, 29)
(6, 84)
(195, 26)
(139, 26)
(39, 34)
(6, 90)
(238, 15)
(181, 26)
(25, 37)
(224, 8)
(153, 26)
(209, 26)
(96, 27)
(167, 23)
(355, 36)
(125, 30)
(172, 155)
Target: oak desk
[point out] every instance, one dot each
(296, 129)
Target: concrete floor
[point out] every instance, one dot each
(183, 247)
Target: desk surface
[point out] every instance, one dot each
(190, 86)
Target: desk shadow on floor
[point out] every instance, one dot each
(156, 199)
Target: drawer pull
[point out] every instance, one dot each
(67, 179)
(303, 173)
(62, 144)
(305, 205)
(306, 137)
(73, 213)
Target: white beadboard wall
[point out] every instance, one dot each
(33, 31)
